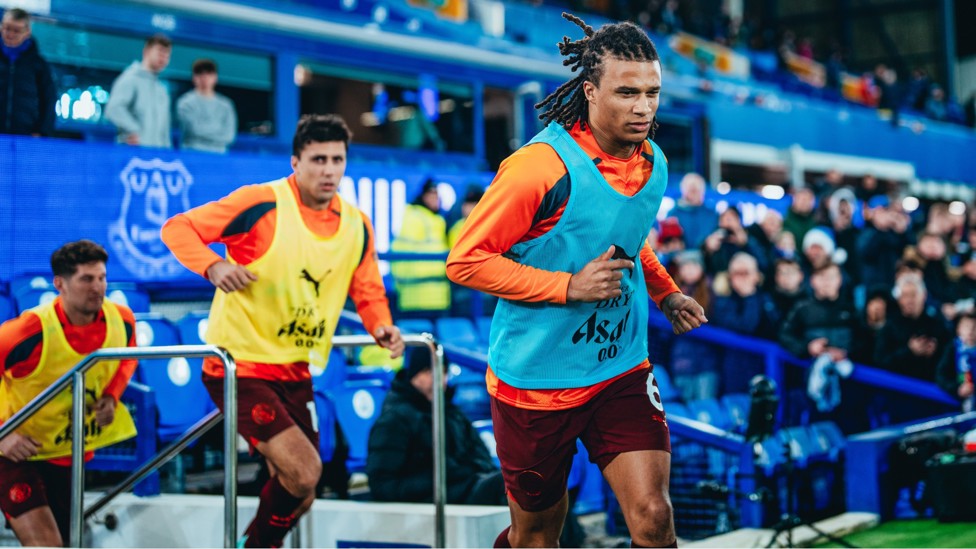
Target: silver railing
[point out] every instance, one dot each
(440, 459)
(76, 377)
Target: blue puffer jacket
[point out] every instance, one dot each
(27, 94)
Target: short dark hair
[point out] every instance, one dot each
(65, 260)
(824, 268)
(18, 14)
(204, 66)
(159, 39)
(567, 105)
(319, 128)
(785, 261)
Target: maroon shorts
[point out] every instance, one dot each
(266, 408)
(536, 448)
(27, 485)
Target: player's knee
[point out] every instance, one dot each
(301, 481)
(652, 520)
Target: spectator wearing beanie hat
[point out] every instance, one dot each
(670, 239)
(819, 250)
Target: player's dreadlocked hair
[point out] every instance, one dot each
(567, 105)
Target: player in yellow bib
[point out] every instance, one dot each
(36, 349)
(295, 251)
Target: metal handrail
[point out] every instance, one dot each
(76, 376)
(437, 401)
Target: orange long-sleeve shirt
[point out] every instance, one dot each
(526, 200)
(21, 343)
(245, 222)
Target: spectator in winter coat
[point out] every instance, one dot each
(915, 336)
(822, 329)
(955, 370)
(697, 219)
(27, 92)
(400, 463)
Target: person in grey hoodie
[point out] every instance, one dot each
(139, 103)
(208, 119)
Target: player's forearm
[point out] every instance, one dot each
(116, 386)
(659, 283)
(188, 245)
(499, 276)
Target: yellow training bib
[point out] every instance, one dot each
(290, 313)
(51, 426)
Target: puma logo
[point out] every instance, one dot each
(620, 253)
(306, 276)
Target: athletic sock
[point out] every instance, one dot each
(275, 516)
(502, 539)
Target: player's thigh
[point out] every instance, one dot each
(536, 450)
(24, 501)
(37, 528)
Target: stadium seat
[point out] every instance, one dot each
(484, 328)
(708, 410)
(677, 409)
(416, 326)
(28, 298)
(592, 497)
(128, 294)
(181, 398)
(193, 327)
(458, 331)
(357, 405)
(664, 384)
(829, 439)
(333, 375)
(486, 430)
(27, 281)
(325, 415)
(470, 394)
(737, 406)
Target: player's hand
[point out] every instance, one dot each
(17, 447)
(229, 277)
(104, 409)
(965, 389)
(598, 279)
(132, 139)
(817, 346)
(684, 312)
(389, 338)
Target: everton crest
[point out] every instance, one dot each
(154, 191)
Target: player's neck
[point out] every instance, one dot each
(612, 147)
(79, 318)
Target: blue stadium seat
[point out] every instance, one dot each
(28, 298)
(357, 405)
(708, 410)
(334, 374)
(416, 326)
(128, 294)
(829, 439)
(484, 328)
(592, 497)
(677, 409)
(486, 430)
(193, 327)
(458, 331)
(325, 414)
(668, 392)
(737, 406)
(27, 281)
(383, 374)
(8, 309)
(181, 398)
(470, 394)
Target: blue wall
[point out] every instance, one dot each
(54, 191)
